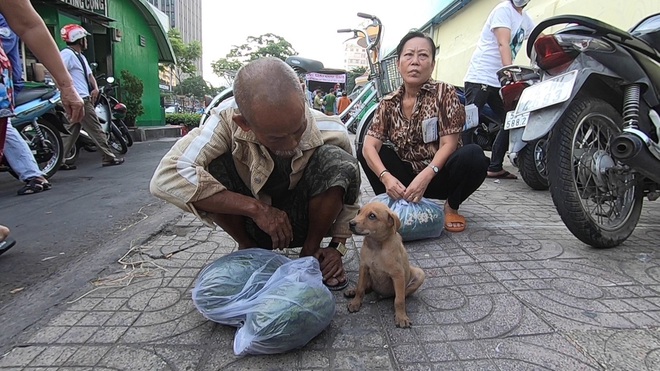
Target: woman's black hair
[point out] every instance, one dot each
(411, 35)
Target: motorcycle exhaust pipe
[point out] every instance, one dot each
(631, 149)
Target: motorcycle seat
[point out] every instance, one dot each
(32, 94)
(304, 65)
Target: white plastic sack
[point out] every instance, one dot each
(290, 310)
(224, 288)
(421, 220)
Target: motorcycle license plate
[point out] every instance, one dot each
(547, 93)
(514, 121)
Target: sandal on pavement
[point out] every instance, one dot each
(503, 175)
(68, 167)
(113, 162)
(455, 218)
(340, 284)
(6, 244)
(34, 185)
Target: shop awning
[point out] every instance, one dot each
(165, 51)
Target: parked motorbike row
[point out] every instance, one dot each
(591, 122)
(41, 121)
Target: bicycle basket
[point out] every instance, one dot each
(390, 79)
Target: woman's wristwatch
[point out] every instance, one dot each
(435, 168)
(339, 247)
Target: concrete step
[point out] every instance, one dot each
(145, 133)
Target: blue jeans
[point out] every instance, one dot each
(19, 156)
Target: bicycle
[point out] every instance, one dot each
(383, 79)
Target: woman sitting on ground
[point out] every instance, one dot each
(423, 119)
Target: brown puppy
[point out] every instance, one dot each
(384, 266)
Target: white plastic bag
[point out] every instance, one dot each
(421, 220)
(290, 310)
(224, 288)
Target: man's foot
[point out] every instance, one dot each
(336, 284)
(330, 261)
(68, 167)
(6, 242)
(35, 185)
(113, 162)
(501, 175)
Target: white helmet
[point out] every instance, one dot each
(73, 32)
(520, 3)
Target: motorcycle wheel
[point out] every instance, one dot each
(125, 133)
(116, 141)
(49, 154)
(73, 154)
(599, 203)
(533, 164)
(479, 136)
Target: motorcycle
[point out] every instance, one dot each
(111, 113)
(528, 157)
(40, 124)
(117, 109)
(486, 130)
(598, 101)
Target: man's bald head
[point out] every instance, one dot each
(265, 85)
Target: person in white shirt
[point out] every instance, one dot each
(507, 26)
(76, 63)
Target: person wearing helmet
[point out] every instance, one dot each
(507, 26)
(76, 63)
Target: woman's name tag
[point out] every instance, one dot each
(430, 130)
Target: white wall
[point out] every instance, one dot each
(457, 36)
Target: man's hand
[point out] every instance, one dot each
(73, 104)
(330, 262)
(276, 223)
(94, 95)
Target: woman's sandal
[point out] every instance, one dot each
(34, 185)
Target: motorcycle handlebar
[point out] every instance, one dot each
(344, 30)
(365, 15)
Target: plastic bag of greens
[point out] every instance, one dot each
(225, 287)
(421, 220)
(292, 308)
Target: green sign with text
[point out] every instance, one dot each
(96, 6)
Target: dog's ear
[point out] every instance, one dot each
(394, 220)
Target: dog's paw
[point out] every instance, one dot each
(349, 293)
(354, 305)
(402, 321)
